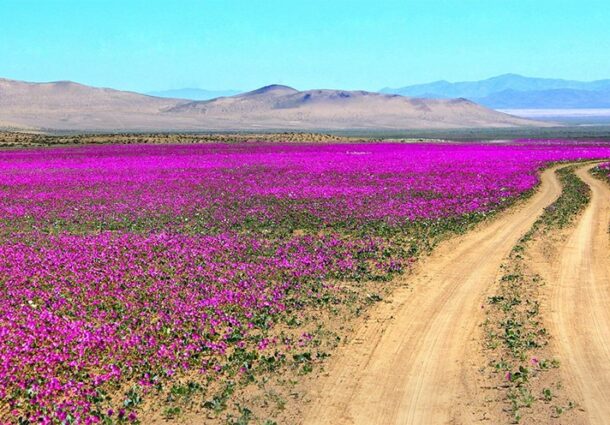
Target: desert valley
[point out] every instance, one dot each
(304, 213)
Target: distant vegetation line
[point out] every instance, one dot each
(23, 139)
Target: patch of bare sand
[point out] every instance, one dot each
(576, 303)
(416, 359)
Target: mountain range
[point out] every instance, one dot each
(66, 105)
(512, 91)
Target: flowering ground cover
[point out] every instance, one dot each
(602, 169)
(135, 275)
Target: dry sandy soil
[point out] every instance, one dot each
(577, 303)
(415, 360)
(418, 358)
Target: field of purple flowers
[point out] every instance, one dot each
(124, 269)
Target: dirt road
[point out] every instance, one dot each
(412, 361)
(578, 304)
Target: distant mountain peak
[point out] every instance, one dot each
(273, 88)
(516, 91)
(508, 75)
(507, 78)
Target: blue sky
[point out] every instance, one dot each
(348, 44)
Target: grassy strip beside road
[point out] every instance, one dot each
(516, 338)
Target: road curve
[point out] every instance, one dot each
(411, 361)
(578, 292)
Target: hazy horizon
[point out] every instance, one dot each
(237, 91)
(241, 45)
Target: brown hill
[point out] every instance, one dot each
(65, 105)
(70, 106)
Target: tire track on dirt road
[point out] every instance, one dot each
(411, 361)
(578, 303)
